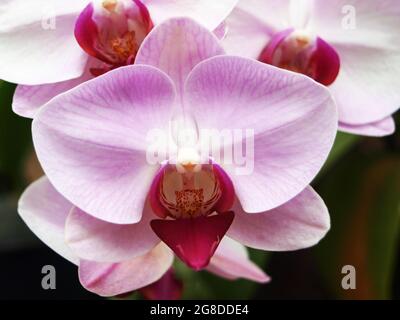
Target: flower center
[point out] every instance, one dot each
(193, 201)
(301, 52)
(112, 31)
(189, 191)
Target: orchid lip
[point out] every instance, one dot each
(112, 31)
(302, 52)
(190, 190)
(193, 202)
(194, 240)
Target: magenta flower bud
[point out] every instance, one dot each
(169, 287)
(112, 31)
(301, 52)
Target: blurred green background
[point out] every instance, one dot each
(360, 184)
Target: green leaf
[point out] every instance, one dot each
(362, 195)
(15, 137)
(14, 234)
(344, 142)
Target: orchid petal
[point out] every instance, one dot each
(244, 27)
(176, 47)
(367, 23)
(209, 13)
(365, 34)
(44, 211)
(370, 77)
(92, 140)
(292, 119)
(277, 12)
(380, 128)
(28, 99)
(107, 279)
(100, 241)
(169, 287)
(231, 261)
(35, 49)
(300, 223)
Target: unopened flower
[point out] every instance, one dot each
(123, 213)
(169, 287)
(353, 47)
(50, 46)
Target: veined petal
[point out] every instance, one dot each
(108, 280)
(221, 31)
(96, 240)
(370, 77)
(28, 99)
(176, 47)
(274, 13)
(380, 128)
(367, 23)
(231, 261)
(293, 121)
(244, 27)
(37, 43)
(44, 211)
(209, 13)
(92, 140)
(365, 34)
(300, 223)
(17, 13)
(300, 12)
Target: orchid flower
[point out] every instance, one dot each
(50, 46)
(122, 219)
(351, 46)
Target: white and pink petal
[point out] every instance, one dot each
(28, 99)
(300, 223)
(96, 240)
(37, 43)
(293, 120)
(231, 261)
(45, 211)
(209, 13)
(370, 77)
(111, 279)
(380, 128)
(92, 141)
(176, 47)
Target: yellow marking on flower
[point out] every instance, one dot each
(125, 46)
(189, 202)
(110, 5)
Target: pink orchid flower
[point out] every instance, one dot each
(169, 287)
(351, 46)
(122, 219)
(50, 46)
